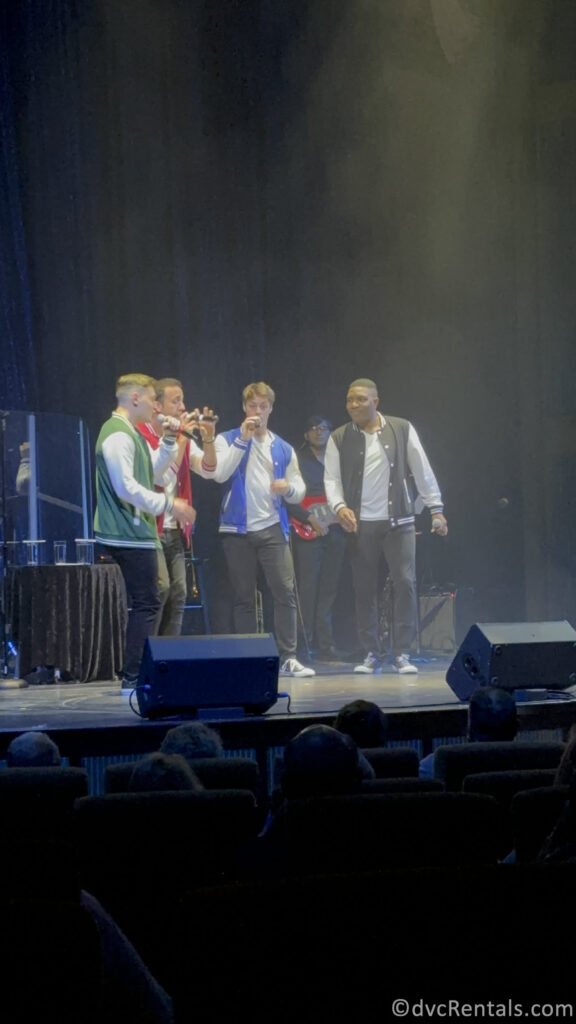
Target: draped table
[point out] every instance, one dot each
(70, 616)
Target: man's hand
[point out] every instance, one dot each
(439, 524)
(170, 426)
(319, 528)
(183, 512)
(249, 427)
(280, 486)
(347, 519)
(204, 422)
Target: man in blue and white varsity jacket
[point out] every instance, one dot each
(263, 474)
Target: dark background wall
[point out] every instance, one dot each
(304, 193)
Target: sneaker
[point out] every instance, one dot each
(292, 667)
(372, 663)
(128, 684)
(403, 665)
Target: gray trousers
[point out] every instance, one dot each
(270, 550)
(171, 583)
(398, 546)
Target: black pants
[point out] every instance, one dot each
(270, 550)
(139, 567)
(318, 569)
(398, 546)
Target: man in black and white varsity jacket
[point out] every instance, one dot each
(371, 465)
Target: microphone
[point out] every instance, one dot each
(175, 424)
(199, 417)
(169, 421)
(437, 523)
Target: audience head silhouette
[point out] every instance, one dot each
(32, 750)
(320, 761)
(192, 740)
(159, 772)
(492, 715)
(364, 722)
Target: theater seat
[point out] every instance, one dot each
(534, 814)
(392, 762)
(372, 831)
(503, 786)
(213, 772)
(38, 802)
(144, 845)
(409, 785)
(452, 763)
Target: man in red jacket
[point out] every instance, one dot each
(188, 456)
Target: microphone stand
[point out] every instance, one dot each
(7, 682)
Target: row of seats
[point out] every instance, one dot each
(300, 947)
(510, 808)
(173, 868)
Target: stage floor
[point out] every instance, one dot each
(102, 704)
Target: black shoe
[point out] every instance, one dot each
(40, 676)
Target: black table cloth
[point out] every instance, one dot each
(72, 617)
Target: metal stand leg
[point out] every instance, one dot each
(197, 591)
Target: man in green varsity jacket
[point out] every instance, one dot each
(127, 506)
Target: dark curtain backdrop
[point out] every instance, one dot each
(308, 192)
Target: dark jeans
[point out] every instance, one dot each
(139, 568)
(171, 583)
(398, 546)
(318, 568)
(268, 549)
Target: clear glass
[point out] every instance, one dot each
(34, 551)
(46, 483)
(60, 548)
(84, 551)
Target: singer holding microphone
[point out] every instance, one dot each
(127, 505)
(370, 468)
(169, 408)
(263, 478)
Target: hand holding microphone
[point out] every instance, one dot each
(249, 427)
(202, 423)
(439, 524)
(169, 424)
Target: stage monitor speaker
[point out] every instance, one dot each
(180, 674)
(514, 656)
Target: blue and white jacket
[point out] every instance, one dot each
(232, 454)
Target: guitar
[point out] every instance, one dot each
(322, 511)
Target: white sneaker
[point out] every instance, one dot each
(403, 665)
(370, 665)
(292, 667)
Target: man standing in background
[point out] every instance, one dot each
(319, 544)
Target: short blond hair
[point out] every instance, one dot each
(259, 388)
(133, 382)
